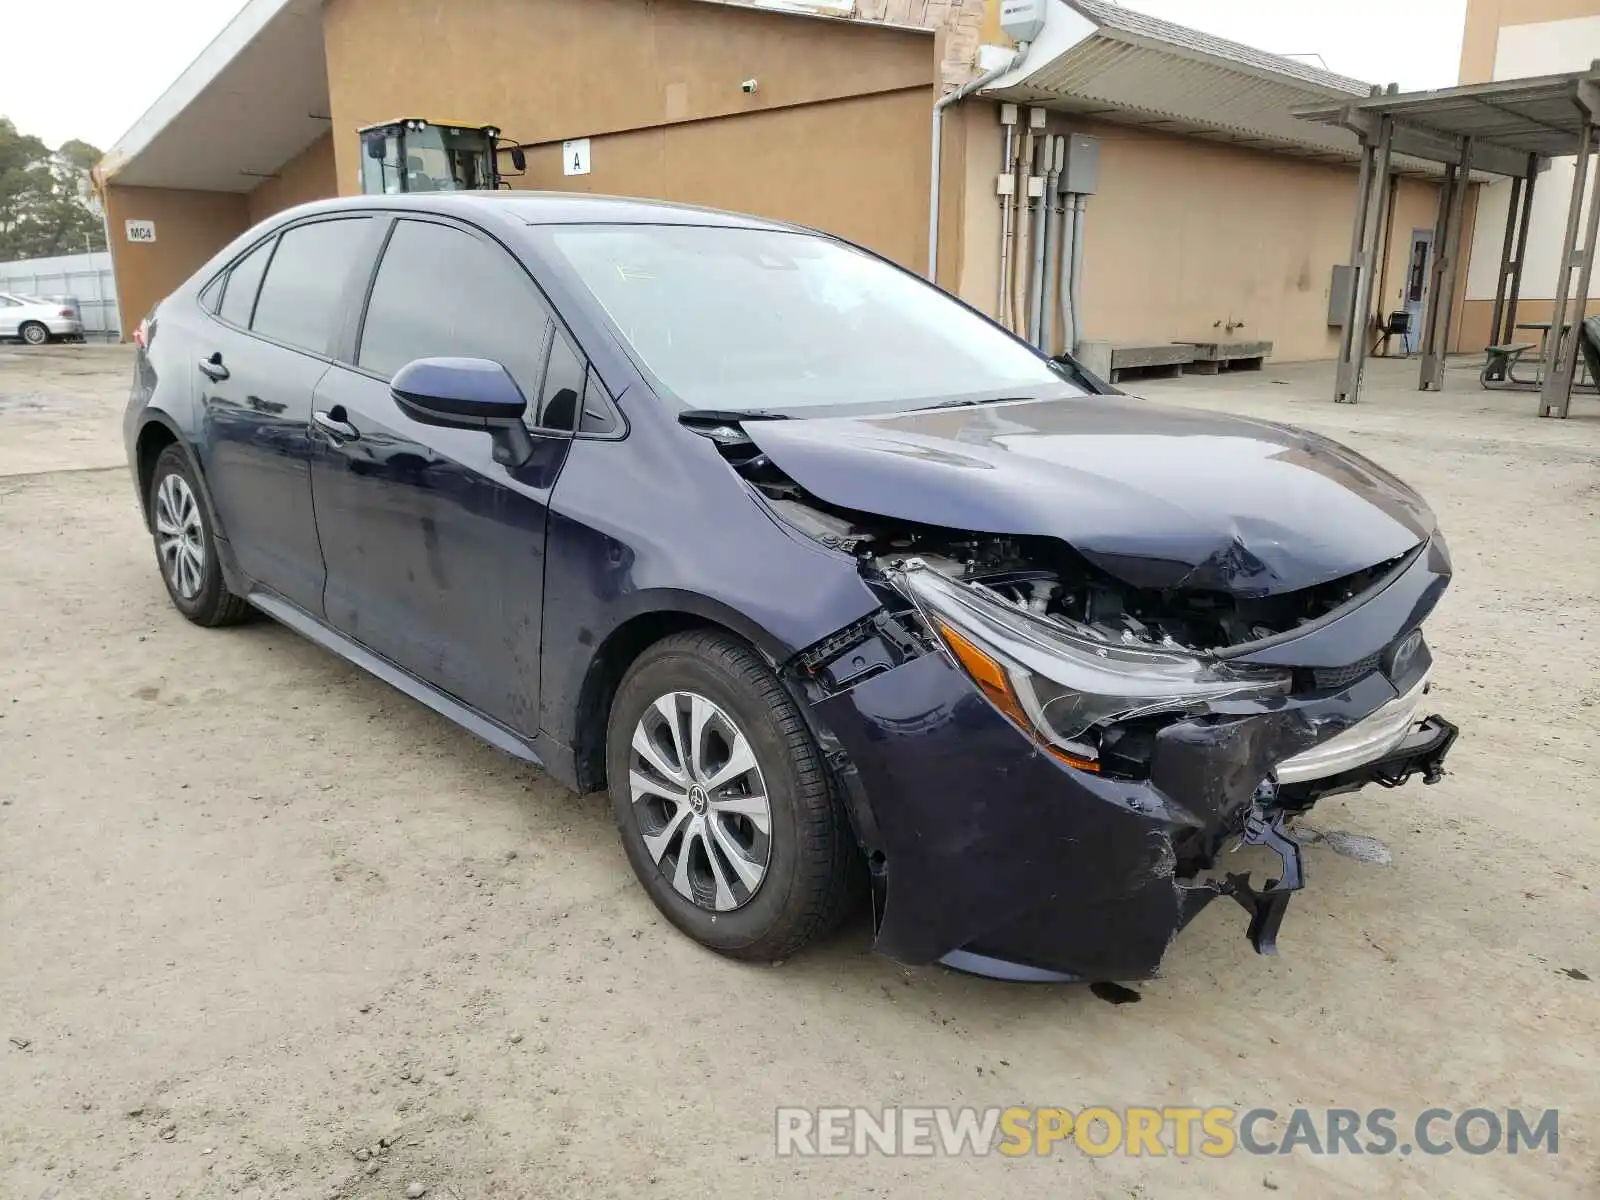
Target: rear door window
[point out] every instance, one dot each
(244, 281)
(441, 292)
(301, 297)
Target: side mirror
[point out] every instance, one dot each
(377, 148)
(519, 158)
(467, 393)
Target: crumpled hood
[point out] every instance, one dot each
(1158, 497)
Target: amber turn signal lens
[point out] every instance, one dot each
(995, 684)
(989, 675)
(1072, 760)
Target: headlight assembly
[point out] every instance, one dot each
(1059, 683)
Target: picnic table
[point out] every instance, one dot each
(1500, 362)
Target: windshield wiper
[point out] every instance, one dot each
(974, 401)
(728, 416)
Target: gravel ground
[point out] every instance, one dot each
(268, 928)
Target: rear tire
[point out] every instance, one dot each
(186, 552)
(747, 892)
(34, 333)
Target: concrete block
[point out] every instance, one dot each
(1096, 357)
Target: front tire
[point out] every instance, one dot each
(185, 549)
(725, 805)
(34, 333)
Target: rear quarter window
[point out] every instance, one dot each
(241, 284)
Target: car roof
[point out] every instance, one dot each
(554, 208)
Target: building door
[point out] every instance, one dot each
(1418, 265)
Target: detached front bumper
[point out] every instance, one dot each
(993, 856)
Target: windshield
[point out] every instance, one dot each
(743, 320)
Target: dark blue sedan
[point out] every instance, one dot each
(836, 586)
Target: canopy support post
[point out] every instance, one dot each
(1500, 326)
(1561, 344)
(1514, 293)
(1446, 258)
(1366, 238)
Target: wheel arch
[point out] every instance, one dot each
(657, 615)
(157, 431)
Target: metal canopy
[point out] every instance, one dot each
(1510, 128)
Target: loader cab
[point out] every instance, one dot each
(414, 155)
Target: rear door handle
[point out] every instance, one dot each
(335, 426)
(213, 369)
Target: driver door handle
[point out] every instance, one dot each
(213, 369)
(335, 426)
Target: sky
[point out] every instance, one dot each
(92, 75)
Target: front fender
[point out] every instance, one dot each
(634, 532)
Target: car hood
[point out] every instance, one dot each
(1158, 497)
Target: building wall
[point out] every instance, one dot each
(1486, 18)
(310, 175)
(869, 186)
(1512, 39)
(190, 228)
(1187, 235)
(962, 24)
(836, 135)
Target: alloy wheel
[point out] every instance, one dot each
(180, 536)
(701, 803)
(35, 334)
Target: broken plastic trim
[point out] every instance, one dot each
(1373, 737)
(1268, 905)
(1068, 684)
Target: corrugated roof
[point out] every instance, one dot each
(1138, 25)
(1103, 61)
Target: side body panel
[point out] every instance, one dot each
(435, 553)
(254, 444)
(658, 522)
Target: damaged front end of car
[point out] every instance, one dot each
(1045, 758)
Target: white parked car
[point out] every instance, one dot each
(37, 321)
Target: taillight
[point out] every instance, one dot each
(66, 312)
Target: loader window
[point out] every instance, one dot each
(380, 165)
(438, 160)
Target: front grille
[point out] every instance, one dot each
(1338, 677)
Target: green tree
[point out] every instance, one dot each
(46, 201)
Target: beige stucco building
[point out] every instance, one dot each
(1511, 39)
(1216, 213)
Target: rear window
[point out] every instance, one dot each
(300, 298)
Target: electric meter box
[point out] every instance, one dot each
(1081, 175)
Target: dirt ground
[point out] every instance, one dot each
(258, 912)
